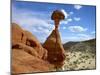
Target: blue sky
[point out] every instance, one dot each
(79, 23)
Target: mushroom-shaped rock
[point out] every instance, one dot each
(56, 53)
(57, 15)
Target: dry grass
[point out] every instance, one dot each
(79, 61)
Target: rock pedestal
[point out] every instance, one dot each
(56, 53)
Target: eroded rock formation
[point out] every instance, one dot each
(56, 53)
(27, 53)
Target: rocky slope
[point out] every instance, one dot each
(88, 45)
(27, 53)
(80, 55)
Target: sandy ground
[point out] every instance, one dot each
(79, 61)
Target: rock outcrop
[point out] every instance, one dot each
(27, 53)
(56, 53)
(18, 34)
(23, 62)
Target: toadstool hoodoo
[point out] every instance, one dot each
(56, 53)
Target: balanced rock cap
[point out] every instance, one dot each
(57, 14)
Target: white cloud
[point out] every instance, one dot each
(71, 13)
(64, 27)
(30, 21)
(77, 7)
(93, 32)
(65, 13)
(69, 20)
(69, 38)
(44, 31)
(77, 28)
(77, 37)
(66, 21)
(83, 37)
(77, 18)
